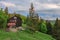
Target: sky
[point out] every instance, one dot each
(47, 9)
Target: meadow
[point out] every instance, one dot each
(23, 35)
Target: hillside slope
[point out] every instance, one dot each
(22, 35)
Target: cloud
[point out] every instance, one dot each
(7, 4)
(40, 6)
(25, 6)
(21, 7)
(12, 5)
(49, 8)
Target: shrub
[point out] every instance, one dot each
(3, 19)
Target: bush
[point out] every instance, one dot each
(1, 22)
(42, 27)
(3, 19)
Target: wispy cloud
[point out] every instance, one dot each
(40, 6)
(7, 4)
(24, 4)
(51, 8)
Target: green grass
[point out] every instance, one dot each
(22, 35)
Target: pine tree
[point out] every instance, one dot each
(3, 19)
(55, 26)
(49, 28)
(6, 14)
(6, 10)
(56, 30)
(32, 19)
(56, 22)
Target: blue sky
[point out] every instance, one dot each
(47, 9)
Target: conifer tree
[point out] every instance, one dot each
(56, 30)
(49, 28)
(56, 22)
(6, 10)
(32, 19)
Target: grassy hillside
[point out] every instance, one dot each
(22, 35)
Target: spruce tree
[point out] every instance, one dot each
(6, 10)
(49, 28)
(56, 30)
